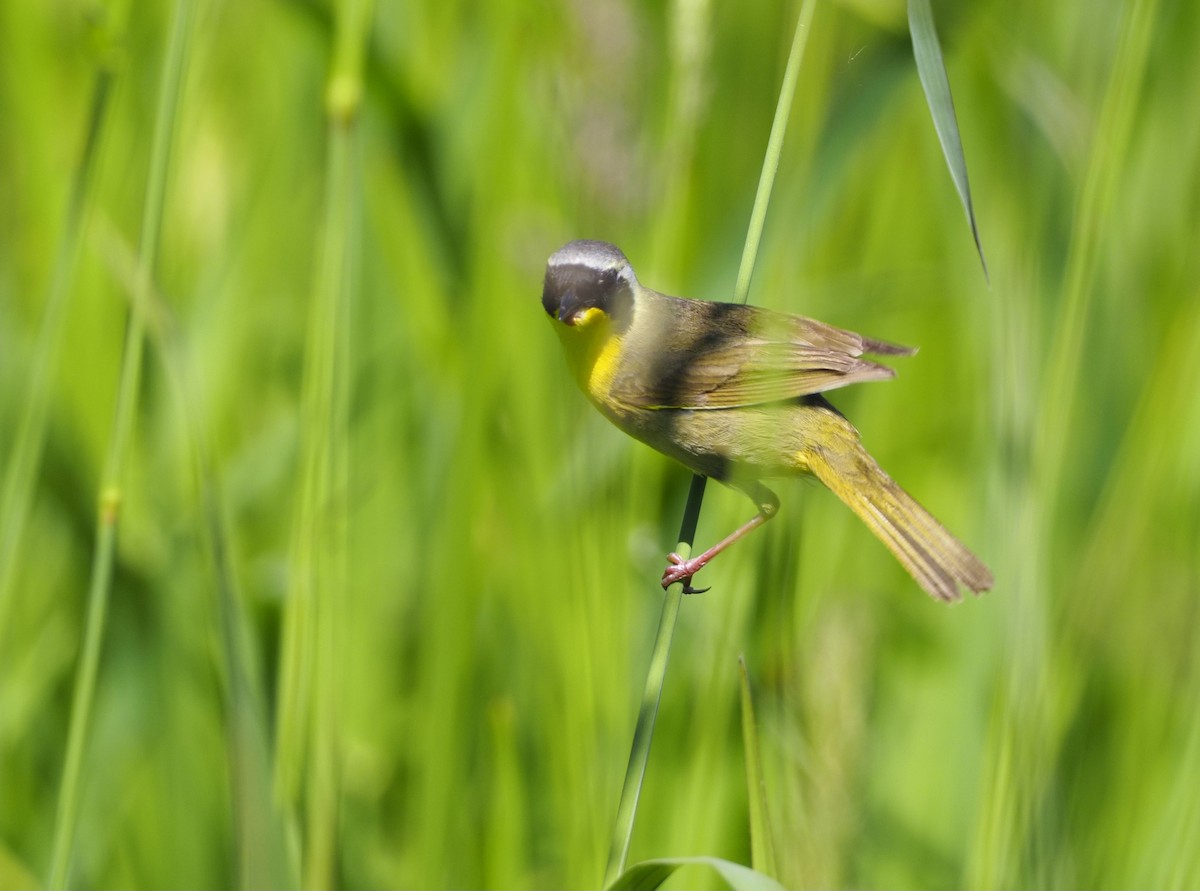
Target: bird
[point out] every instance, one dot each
(735, 393)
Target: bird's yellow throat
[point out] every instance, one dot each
(593, 348)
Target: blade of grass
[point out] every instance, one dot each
(508, 814)
(650, 874)
(1018, 826)
(766, 179)
(258, 836)
(311, 667)
(644, 730)
(762, 846)
(22, 470)
(931, 68)
(1110, 144)
(111, 487)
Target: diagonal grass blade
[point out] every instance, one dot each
(932, 70)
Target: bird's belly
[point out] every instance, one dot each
(753, 442)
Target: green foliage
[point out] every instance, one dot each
(931, 66)
(650, 874)
(500, 547)
(762, 843)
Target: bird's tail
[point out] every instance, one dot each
(935, 558)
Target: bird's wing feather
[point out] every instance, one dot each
(719, 355)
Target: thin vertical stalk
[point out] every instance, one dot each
(762, 846)
(26, 455)
(307, 739)
(1094, 212)
(111, 488)
(643, 732)
(257, 836)
(1031, 730)
(766, 179)
(648, 712)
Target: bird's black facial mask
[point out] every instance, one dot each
(571, 289)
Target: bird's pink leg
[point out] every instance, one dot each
(682, 570)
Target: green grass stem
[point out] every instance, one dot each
(22, 470)
(766, 179)
(762, 843)
(111, 488)
(1093, 216)
(1019, 824)
(257, 829)
(643, 731)
(648, 712)
(312, 669)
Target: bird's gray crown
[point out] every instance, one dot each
(598, 255)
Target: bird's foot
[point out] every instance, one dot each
(682, 570)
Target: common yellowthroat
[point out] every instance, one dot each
(734, 393)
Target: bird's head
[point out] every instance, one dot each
(586, 282)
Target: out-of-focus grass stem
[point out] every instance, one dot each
(258, 840)
(1110, 145)
(111, 487)
(311, 670)
(22, 469)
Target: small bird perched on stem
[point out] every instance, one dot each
(733, 392)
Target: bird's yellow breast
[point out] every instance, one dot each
(604, 367)
(594, 352)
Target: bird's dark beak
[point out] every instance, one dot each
(568, 308)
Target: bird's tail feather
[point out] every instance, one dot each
(936, 559)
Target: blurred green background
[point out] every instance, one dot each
(484, 551)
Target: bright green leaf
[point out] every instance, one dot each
(650, 874)
(762, 850)
(932, 70)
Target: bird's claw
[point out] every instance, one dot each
(682, 570)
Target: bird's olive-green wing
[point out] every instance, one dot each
(701, 355)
